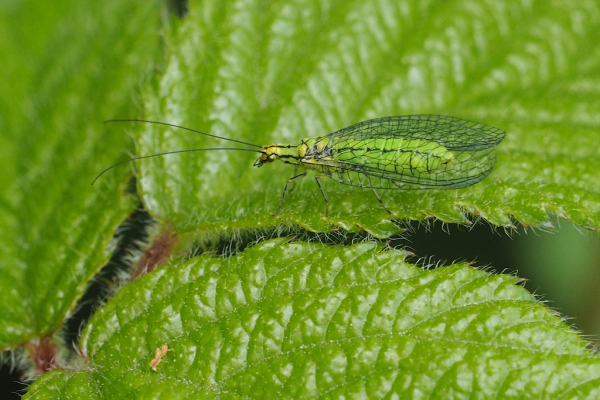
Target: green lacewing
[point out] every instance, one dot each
(404, 152)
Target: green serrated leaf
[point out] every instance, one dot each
(54, 226)
(289, 70)
(307, 320)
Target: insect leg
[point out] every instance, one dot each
(324, 196)
(377, 194)
(292, 179)
(294, 182)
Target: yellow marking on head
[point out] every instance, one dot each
(271, 153)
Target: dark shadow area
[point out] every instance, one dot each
(480, 244)
(179, 8)
(129, 237)
(236, 241)
(11, 387)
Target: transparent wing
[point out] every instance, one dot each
(451, 132)
(466, 169)
(410, 152)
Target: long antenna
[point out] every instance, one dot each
(182, 127)
(171, 152)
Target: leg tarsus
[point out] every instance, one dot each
(292, 179)
(324, 196)
(378, 197)
(294, 182)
